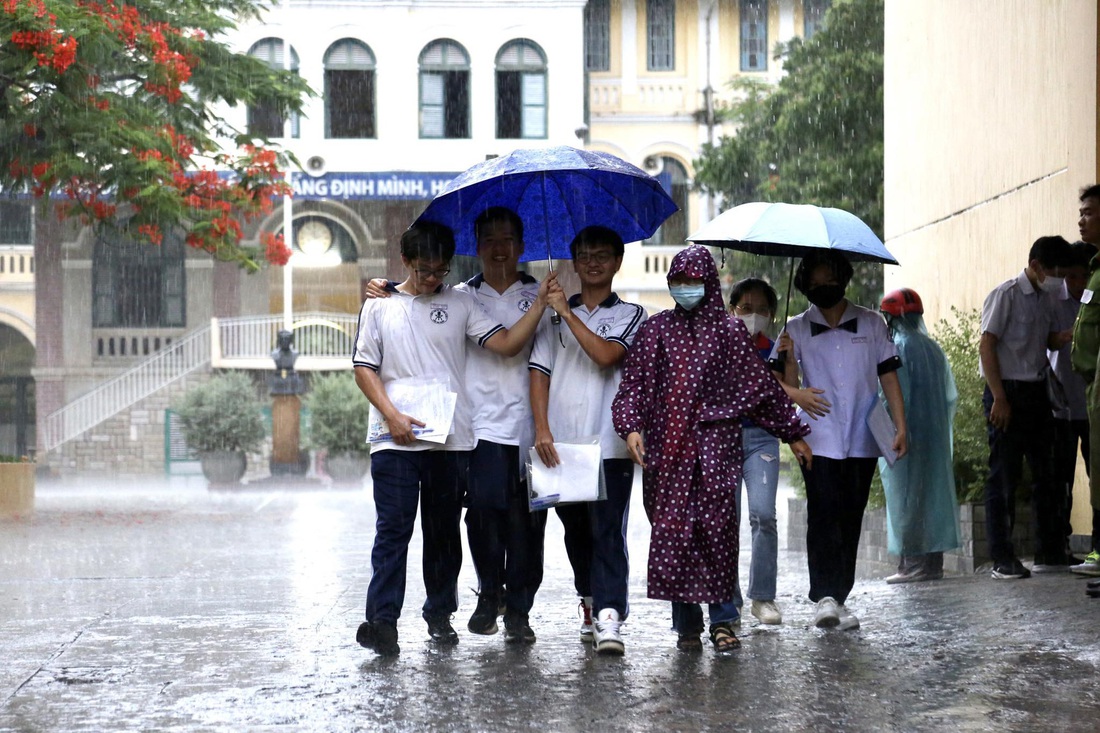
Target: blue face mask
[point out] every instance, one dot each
(687, 296)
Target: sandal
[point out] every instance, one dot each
(689, 643)
(721, 635)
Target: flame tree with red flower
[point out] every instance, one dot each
(108, 111)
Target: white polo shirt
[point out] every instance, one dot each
(423, 335)
(1021, 319)
(581, 392)
(499, 386)
(846, 362)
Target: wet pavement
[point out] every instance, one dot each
(163, 606)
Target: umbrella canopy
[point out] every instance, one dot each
(792, 230)
(556, 192)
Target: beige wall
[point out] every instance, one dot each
(988, 138)
(991, 130)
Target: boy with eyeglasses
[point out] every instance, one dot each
(422, 331)
(575, 372)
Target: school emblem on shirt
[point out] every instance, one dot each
(438, 314)
(524, 305)
(602, 330)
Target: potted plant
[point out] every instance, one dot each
(222, 420)
(16, 486)
(338, 415)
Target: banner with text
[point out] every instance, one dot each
(382, 186)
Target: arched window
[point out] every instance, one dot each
(521, 91)
(674, 179)
(138, 284)
(444, 91)
(265, 119)
(349, 90)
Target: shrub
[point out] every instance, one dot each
(338, 414)
(222, 414)
(959, 337)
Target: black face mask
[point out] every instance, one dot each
(825, 296)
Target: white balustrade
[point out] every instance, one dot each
(323, 341)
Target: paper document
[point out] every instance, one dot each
(578, 477)
(882, 428)
(427, 399)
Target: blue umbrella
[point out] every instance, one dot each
(557, 192)
(792, 230)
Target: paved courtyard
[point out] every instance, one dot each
(164, 606)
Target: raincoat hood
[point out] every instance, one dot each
(696, 262)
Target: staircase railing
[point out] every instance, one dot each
(323, 341)
(184, 356)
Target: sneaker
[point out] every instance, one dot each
(914, 576)
(585, 612)
(848, 621)
(1012, 570)
(379, 636)
(1089, 566)
(605, 633)
(440, 630)
(517, 629)
(484, 619)
(826, 615)
(1043, 567)
(766, 612)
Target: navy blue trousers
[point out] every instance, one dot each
(504, 535)
(402, 480)
(602, 526)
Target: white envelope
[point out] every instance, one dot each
(579, 476)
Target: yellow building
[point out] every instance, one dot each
(655, 68)
(991, 128)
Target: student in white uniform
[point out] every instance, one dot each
(421, 331)
(846, 351)
(575, 373)
(505, 537)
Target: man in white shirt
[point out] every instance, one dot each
(1017, 328)
(421, 332)
(575, 373)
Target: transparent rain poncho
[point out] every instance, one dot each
(921, 508)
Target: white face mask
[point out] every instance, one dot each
(755, 322)
(1052, 284)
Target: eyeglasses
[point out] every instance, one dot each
(600, 258)
(747, 310)
(437, 274)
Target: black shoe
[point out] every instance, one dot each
(1093, 592)
(1094, 584)
(1012, 570)
(517, 630)
(379, 636)
(440, 630)
(484, 619)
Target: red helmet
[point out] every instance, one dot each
(900, 302)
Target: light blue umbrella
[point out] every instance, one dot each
(792, 230)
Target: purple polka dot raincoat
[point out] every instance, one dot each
(688, 380)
